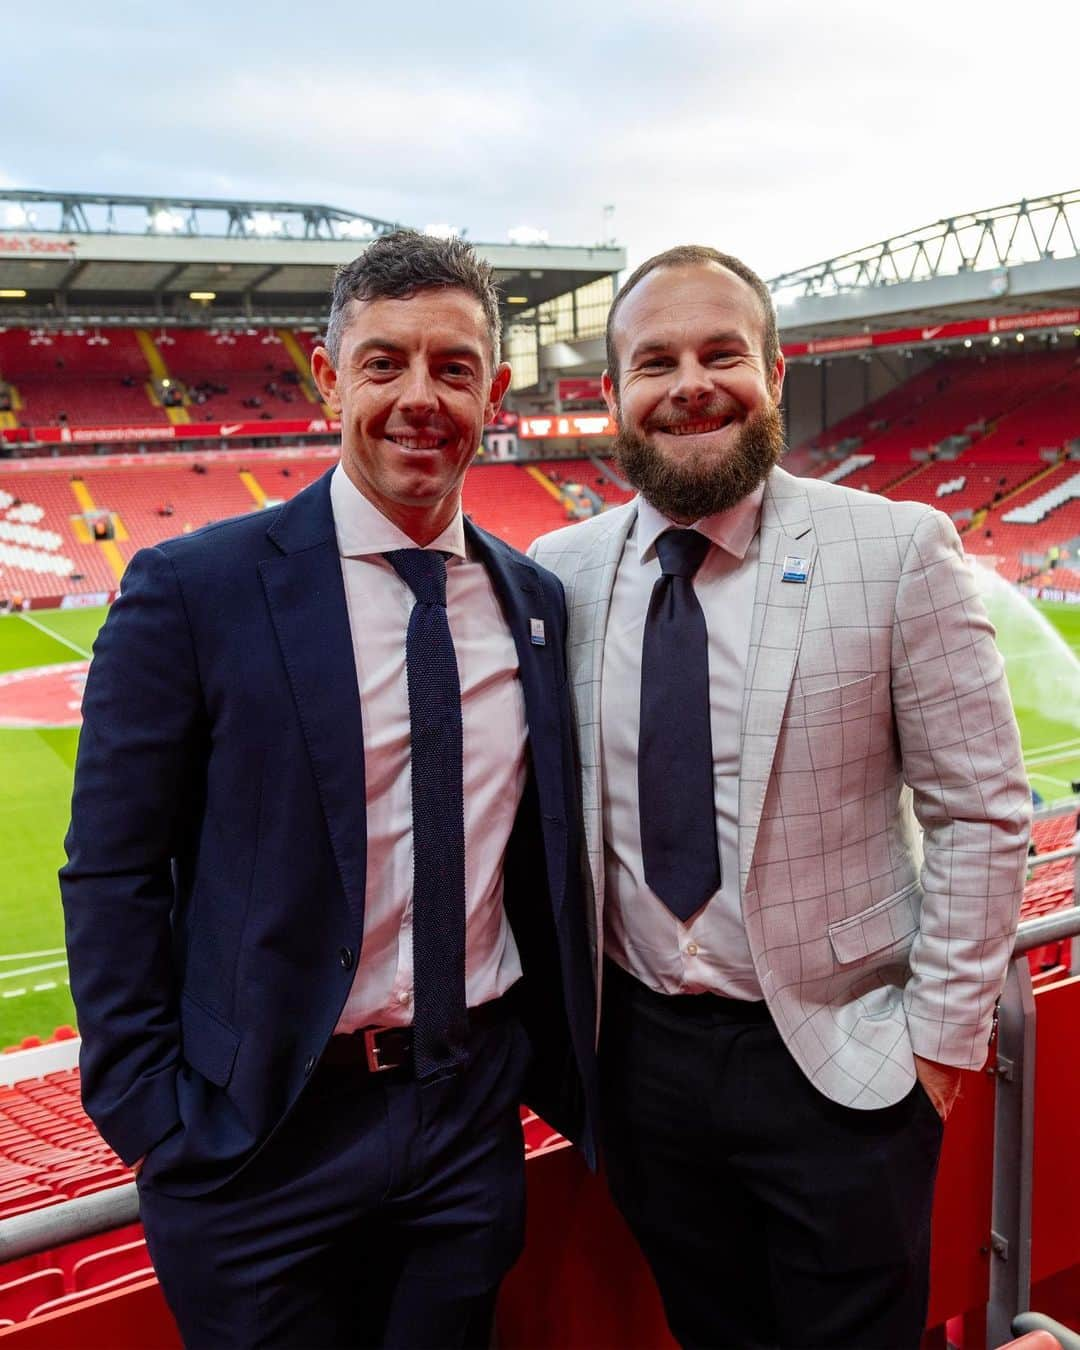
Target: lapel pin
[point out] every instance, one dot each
(795, 569)
(536, 633)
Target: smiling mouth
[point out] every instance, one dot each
(699, 428)
(418, 441)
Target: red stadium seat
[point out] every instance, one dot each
(111, 1264)
(19, 1297)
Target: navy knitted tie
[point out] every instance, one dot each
(440, 1020)
(675, 762)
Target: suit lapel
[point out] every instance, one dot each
(306, 596)
(775, 633)
(522, 600)
(590, 605)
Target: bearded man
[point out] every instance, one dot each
(777, 682)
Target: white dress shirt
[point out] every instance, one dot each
(494, 733)
(710, 953)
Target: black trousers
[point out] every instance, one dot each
(770, 1215)
(381, 1214)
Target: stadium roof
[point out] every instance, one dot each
(112, 259)
(1010, 259)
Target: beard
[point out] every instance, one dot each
(690, 491)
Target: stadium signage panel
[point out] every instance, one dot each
(574, 390)
(941, 332)
(22, 244)
(566, 424)
(317, 426)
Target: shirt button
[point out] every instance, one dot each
(309, 1065)
(404, 997)
(691, 949)
(345, 956)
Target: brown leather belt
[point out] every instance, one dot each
(384, 1049)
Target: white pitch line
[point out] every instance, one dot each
(49, 984)
(31, 956)
(30, 970)
(80, 651)
(12, 993)
(1037, 761)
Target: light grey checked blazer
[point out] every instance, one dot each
(875, 703)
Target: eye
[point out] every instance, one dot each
(656, 363)
(380, 365)
(719, 357)
(457, 370)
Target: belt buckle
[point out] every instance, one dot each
(371, 1051)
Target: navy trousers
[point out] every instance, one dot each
(770, 1215)
(380, 1213)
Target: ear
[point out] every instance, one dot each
(776, 378)
(611, 398)
(324, 373)
(500, 383)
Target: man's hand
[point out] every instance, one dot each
(941, 1083)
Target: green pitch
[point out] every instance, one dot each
(35, 790)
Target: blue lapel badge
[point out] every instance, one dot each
(536, 633)
(795, 569)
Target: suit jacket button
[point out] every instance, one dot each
(345, 956)
(309, 1065)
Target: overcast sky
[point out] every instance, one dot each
(782, 132)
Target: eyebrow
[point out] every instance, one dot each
(728, 335)
(387, 345)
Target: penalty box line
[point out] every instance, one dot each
(49, 632)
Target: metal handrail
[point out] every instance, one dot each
(54, 1225)
(42, 1229)
(1062, 923)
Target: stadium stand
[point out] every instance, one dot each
(93, 379)
(242, 375)
(591, 474)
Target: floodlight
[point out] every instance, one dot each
(517, 299)
(12, 293)
(165, 222)
(995, 341)
(527, 234)
(202, 295)
(967, 342)
(16, 216)
(265, 224)
(1019, 337)
(356, 229)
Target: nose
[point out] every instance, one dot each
(418, 394)
(692, 386)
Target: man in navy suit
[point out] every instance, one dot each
(323, 904)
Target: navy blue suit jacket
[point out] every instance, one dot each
(214, 889)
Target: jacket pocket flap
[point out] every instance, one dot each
(209, 1044)
(888, 922)
(836, 699)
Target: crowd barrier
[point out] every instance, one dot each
(1005, 1233)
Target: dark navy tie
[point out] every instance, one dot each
(440, 1021)
(675, 761)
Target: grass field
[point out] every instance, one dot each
(35, 785)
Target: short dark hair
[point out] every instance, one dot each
(690, 255)
(396, 266)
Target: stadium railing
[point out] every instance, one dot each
(1004, 1221)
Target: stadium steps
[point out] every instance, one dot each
(159, 372)
(107, 547)
(302, 365)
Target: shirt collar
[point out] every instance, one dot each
(731, 530)
(362, 529)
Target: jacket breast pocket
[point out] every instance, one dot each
(883, 925)
(208, 1044)
(834, 704)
